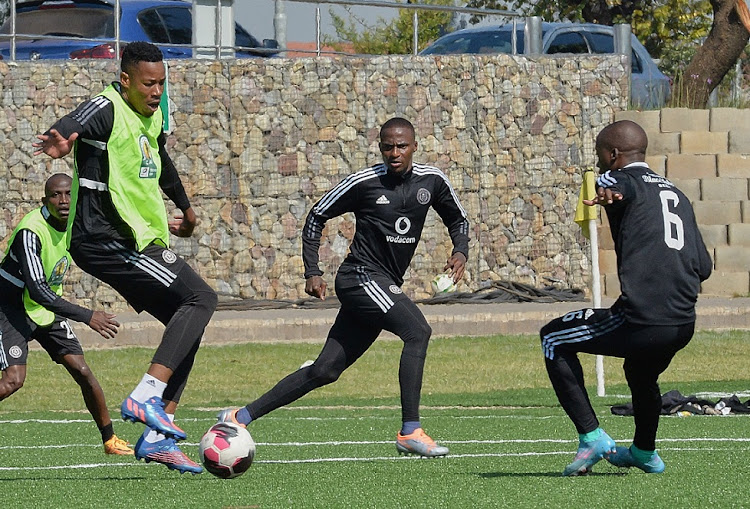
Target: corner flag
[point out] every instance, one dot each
(585, 213)
(586, 216)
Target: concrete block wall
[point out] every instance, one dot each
(706, 153)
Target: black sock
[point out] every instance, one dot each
(107, 432)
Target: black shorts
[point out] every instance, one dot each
(153, 280)
(606, 332)
(370, 294)
(16, 330)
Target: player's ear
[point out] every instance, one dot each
(124, 79)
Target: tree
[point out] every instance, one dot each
(392, 37)
(672, 30)
(716, 56)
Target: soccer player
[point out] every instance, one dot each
(31, 306)
(390, 202)
(119, 233)
(661, 261)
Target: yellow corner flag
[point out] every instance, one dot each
(586, 212)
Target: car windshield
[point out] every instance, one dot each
(89, 23)
(476, 42)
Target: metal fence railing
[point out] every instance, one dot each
(219, 48)
(414, 7)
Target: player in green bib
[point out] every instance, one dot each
(32, 307)
(120, 234)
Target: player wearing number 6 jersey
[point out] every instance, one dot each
(661, 261)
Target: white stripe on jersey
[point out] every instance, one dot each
(143, 262)
(342, 187)
(89, 109)
(606, 179)
(29, 242)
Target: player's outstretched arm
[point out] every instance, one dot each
(457, 264)
(104, 323)
(54, 144)
(316, 286)
(605, 196)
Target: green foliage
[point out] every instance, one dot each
(393, 37)
(672, 30)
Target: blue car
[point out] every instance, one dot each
(86, 29)
(649, 86)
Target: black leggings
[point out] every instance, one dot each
(357, 326)
(163, 284)
(647, 351)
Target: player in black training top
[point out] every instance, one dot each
(390, 202)
(661, 261)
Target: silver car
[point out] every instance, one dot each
(649, 86)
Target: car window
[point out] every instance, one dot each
(491, 42)
(244, 39)
(179, 24)
(450, 45)
(568, 42)
(477, 43)
(93, 23)
(637, 65)
(152, 26)
(605, 43)
(601, 43)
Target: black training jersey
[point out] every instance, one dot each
(390, 211)
(96, 218)
(661, 257)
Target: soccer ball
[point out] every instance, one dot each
(443, 284)
(227, 450)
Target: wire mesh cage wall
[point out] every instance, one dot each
(257, 142)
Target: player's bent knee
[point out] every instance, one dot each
(425, 331)
(206, 299)
(325, 374)
(420, 334)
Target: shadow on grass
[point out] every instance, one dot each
(493, 475)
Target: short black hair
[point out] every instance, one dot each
(398, 122)
(139, 51)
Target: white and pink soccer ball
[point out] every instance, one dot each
(227, 450)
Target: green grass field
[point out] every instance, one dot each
(488, 399)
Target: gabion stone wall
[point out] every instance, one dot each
(258, 141)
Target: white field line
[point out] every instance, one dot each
(337, 443)
(360, 459)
